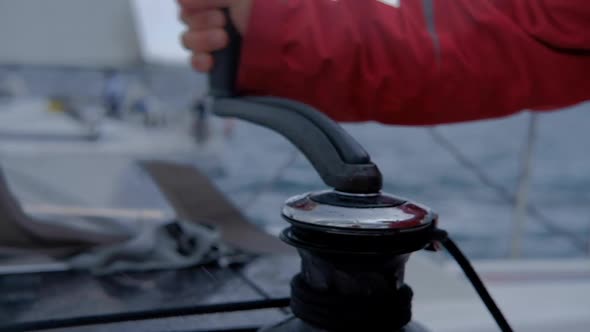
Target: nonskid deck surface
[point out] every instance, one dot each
(443, 301)
(62, 295)
(534, 295)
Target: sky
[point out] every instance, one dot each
(159, 29)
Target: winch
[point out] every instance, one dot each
(353, 239)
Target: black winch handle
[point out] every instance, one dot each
(339, 159)
(222, 78)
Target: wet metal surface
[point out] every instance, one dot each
(60, 295)
(400, 215)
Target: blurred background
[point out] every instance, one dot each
(88, 88)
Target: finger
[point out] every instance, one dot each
(203, 19)
(202, 62)
(203, 4)
(205, 41)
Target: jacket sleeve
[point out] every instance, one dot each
(419, 62)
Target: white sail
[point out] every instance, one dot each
(89, 33)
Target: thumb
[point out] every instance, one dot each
(240, 14)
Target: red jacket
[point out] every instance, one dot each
(422, 62)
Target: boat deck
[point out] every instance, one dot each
(442, 301)
(546, 296)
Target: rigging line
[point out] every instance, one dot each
(277, 175)
(524, 181)
(504, 193)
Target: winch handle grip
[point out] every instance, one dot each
(338, 158)
(223, 75)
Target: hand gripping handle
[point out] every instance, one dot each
(339, 159)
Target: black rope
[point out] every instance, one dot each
(146, 315)
(231, 329)
(480, 288)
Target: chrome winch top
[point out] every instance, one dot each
(378, 211)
